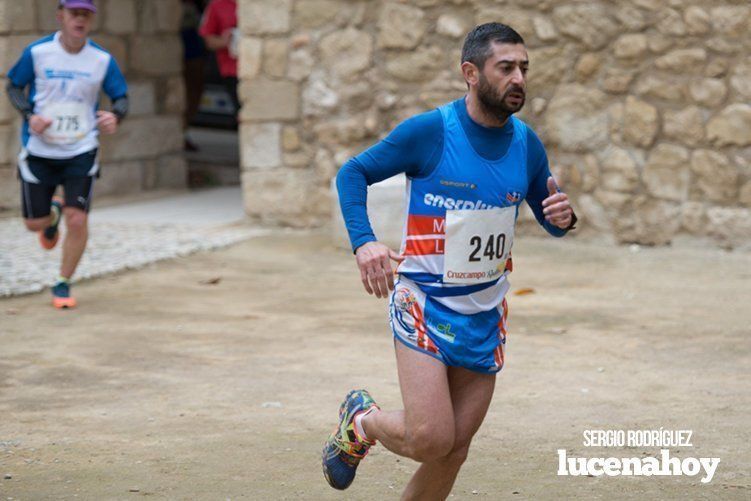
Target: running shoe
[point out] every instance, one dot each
(61, 297)
(49, 236)
(345, 448)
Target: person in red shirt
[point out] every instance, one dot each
(219, 30)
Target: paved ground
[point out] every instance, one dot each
(126, 237)
(218, 376)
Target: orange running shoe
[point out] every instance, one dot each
(49, 236)
(61, 297)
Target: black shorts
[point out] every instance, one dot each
(40, 177)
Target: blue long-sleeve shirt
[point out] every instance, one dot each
(414, 147)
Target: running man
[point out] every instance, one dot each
(64, 73)
(469, 165)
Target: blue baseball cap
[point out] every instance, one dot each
(78, 4)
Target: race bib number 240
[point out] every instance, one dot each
(478, 243)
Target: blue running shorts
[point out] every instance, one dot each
(476, 342)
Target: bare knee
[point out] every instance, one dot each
(75, 220)
(428, 442)
(36, 224)
(458, 455)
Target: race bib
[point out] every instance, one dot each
(70, 122)
(478, 243)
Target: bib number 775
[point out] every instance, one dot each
(494, 248)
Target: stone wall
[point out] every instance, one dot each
(643, 104)
(143, 36)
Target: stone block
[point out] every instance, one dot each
(730, 226)
(317, 97)
(545, 29)
(275, 52)
(745, 194)
(301, 64)
(452, 26)
(415, 66)
(291, 138)
(666, 174)
(117, 47)
(291, 197)
(400, 26)
(731, 20)
(521, 19)
(593, 214)
(8, 144)
(265, 99)
(264, 17)
(173, 100)
(740, 79)
(313, 14)
(46, 15)
(119, 178)
(12, 47)
(346, 53)
(251, 50)
(670, 22)
(731, 127)
(169, 15)
(632, 17)
(7, 112)
(143, 137)
(159, 16)
(17, 16)
(686, 125)
(260, 145)
(167, 60)
(171, 171)
(120, 17)
(663, 88)
(587, 65)
(620, 170)
(576, 118)
(641, 122)
(617, 81)
(10, 192)
(590, 23)
(694, 218)
(630, 46)
(715, 176)
(698, 21)
(550, 64)
(682, 59)
(142, 98)
(710, 92)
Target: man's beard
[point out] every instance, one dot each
(494, 103)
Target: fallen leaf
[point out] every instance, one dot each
(524, 292)
(211, 281)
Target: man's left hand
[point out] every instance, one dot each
(556, 207)
(106, 121)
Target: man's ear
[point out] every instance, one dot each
(59, 16)
(471, 73)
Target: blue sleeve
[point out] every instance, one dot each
(538, 172)
(22, 73)
(414, 147)
(114, 82)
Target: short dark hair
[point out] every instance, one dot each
(477, 45)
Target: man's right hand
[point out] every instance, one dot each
(38, 124)
(373, 259)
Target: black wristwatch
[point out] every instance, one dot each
(572, 224)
